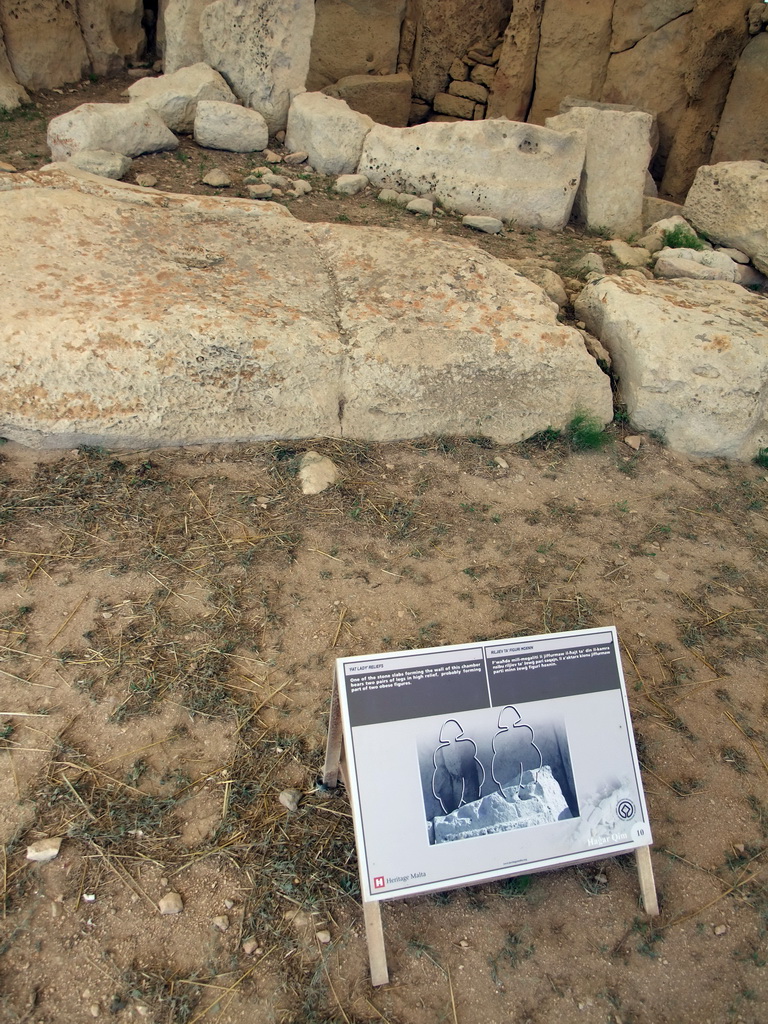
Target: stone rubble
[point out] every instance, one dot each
(175, 97)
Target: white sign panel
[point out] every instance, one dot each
(482, 761)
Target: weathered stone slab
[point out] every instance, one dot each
(148, 318)
(127, 128)
(386, 99)
(43, 41)
(632, 21)
(691, 359)
(573, 54)
(516, 172)
(328, 130)
(728, 203)
(261, 49)
(512, 86)
(370, 30)
(610, 192)
(183, 41)
(102, 162)
(175, 96)
(12, 94)
(444, 337)
(743, 131)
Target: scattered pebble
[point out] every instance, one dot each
(171, 903)
(229, 904)
(94, 1009)
(301, 187)
(634, 441)
(7, 168)
(289, 798)
(146, 180)
(217, 178)
(323, 936)
(720, 929)
(294, 159)
(272, 157)
(501, 463)
(280, 136)
(250, 946)
(221, 922)
(44, 850)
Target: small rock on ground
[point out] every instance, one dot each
(146, 180)
(294, 159)
(490, 225)
(171, 903)
(316, 473)
(221, 923)
(629, 255)
(217, 178)
(44, 850)
(422, 206)
(260, 191)
(350, 184)
(289, 798)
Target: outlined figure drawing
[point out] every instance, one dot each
(458, 776)
(515, 754)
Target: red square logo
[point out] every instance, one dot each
(378, 882)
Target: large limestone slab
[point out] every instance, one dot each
(632, 21)
(370, 30)
(328, 130)
(44, 43)
(512, 86)
(147, 318)
(95, 23)
(175, 96)
(183, 40)
(127, 128)
(728, 203)
(652, 75)
(573, 54)
(618, 152)
(691, 359)
(12, 94)
(125, 24)
(517, 172)
(135, 323)
(386, 99)
(743, 131)
(262, 50)
(443, 337)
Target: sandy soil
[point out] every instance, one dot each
(169, 622)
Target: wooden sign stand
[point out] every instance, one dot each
(334, 768)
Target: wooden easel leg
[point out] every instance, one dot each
(647, 884)
(374, 935)
(333, 747)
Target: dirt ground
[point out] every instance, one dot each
(169, 621)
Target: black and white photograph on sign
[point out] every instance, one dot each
(492, 771)
(486, 760)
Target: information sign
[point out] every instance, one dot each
(486, 760)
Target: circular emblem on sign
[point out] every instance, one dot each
(625, 809)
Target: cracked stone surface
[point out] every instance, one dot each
(138, 318)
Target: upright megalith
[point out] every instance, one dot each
(262, 50)
(610, 193)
